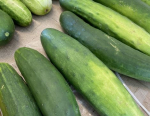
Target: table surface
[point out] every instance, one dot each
(30, 37)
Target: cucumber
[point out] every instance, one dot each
(116, 55)
(15, 97)
(111, 22)
(147, 2)
(88, 75)
(38, 7)
(7, 28)
(135, 10)
(49, 88)
(17, 10)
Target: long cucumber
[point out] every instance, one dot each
(49, 88)
(17, 10)
(116, 55)
(88, 75)
(135, 10)
(15, 97)
(111, 22)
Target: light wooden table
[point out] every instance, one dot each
(30, 37)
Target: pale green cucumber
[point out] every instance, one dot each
(38, 7)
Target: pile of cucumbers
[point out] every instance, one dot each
(103, 35)
(19, 11)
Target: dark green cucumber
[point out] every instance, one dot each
(110, 22)
(51, 91)
(7, 28)
(147, 2)
(88, 75)
(17, 10)
(136, 10)
(116, 55)
(15, 97)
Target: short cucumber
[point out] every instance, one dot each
(17, 10)
(7, 28)
(136, 10)
(38, 7)
(116, 55)
(15, 97)
(49, 88)
(111, 22)
(88, 75)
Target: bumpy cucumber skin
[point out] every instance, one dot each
(17, 10)
(136, 10)
(38, 7)
(51, 91)
(7, 28)
(111, 22)
(116, 55)
(15, 97)
(147, 2)
(88, 75)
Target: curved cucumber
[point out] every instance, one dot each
(17, 10)
(116, 55)
(111, 22)
(38, 7)
(7, 28)
(51, 91)
(147, 2)
(88, 75)
(136, 10)
(15, 97)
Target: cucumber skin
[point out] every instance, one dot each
(18, 11)
(49, 88)
(116, 55)
(88, 75)
(147, 2)
(6, 26)
(111, 22)
(15, 97)
(38, 7)
(136, 10)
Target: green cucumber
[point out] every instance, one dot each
(88, 75)
(17, 10)
(147, 2)
(7, 28)
(15, 97)
(135, 10)
(111, 22)
(38, 7)
(49, 88)
(116, 55)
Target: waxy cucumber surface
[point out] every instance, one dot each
(88, 75)
(7, 28)
(15, 97)
(135, 10)
(116, 55)
(48, 86)
(38, 7)
(110, 22)
(17, 10)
